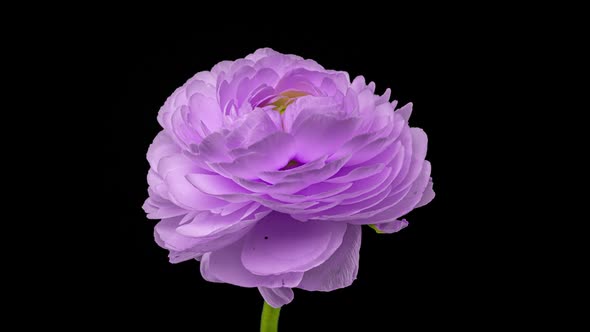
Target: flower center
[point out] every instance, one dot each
(291, 164)
(283, 100)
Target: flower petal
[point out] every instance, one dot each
(392, 226)
(181, 245)
(357, 173)
(205, 110)
(276, 297)
(214, 184)
(363, 186)
(182, 256)
(419, 147)
(340, 211)
(414, 196)
(269, 154)
(313, 192)
(405, 111)
(163, 146)
(166, 235)
(159, 209)
(341, 269)
(184, 194)
(207, 224)
(294, 182)
(254, 127)
(321, 134)
(317, 175)
(274, 177)
(396, 205)
(427, 196)
(264, 77)
(280, 244)
(225, 265)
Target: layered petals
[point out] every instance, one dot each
(266, 167)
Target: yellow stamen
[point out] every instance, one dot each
(285, 99)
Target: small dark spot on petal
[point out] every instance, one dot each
(266, 237)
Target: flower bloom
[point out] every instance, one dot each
(267, 167)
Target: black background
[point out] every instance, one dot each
(436, 271)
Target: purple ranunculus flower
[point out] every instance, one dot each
(268, 166)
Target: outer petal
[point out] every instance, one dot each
(341, 269)
(166, 235)
(405, 111)
(185, 241)
(185, 195)
(206, 224)
(414, 196)
(392, 226)
(419, 147)
(214, 184)
(181, 192)
(280, 244)
(427, 196)
(157, 208)
(395, 205)
(205, 113)
(224, 265)
(163, 146)
(276, 297)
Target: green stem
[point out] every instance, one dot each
(269, 321)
